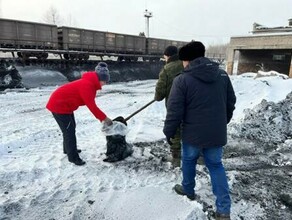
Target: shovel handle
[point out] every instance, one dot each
(145, 106)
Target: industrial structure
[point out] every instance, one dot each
(265, 49)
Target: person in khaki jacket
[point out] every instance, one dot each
(171, 69)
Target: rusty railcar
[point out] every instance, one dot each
(156, 46)
(24, 34)
(31, 39)
(84, 40)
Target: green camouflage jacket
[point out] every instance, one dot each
(171, 69)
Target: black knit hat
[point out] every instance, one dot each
(192, 51)
(170, 51)
(102, 72)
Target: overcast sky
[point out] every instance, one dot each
(210, 21)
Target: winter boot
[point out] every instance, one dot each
(219, 216)
(76, 160)
(179, 190)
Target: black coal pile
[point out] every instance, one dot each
(33, 77)
(119, 71)
(268, 122)
(259, 153)
(54, 75)
(9, 76)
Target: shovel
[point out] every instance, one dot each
(124, 120)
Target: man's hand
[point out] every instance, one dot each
(107, 121)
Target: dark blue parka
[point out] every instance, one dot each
(202, 99)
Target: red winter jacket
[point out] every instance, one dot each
(70, 96)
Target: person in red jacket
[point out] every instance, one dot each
(67, 98)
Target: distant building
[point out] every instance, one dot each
(266, 49)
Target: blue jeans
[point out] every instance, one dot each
(212, 158)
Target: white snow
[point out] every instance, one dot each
(252, 88)
(37, 181)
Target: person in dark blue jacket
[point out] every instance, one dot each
(202, 99)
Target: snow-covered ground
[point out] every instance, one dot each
(37, 181)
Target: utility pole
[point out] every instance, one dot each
(0, 8)
(147, 15)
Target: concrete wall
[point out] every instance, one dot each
(262, 42)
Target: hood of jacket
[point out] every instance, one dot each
(203, 69)
(92, 78)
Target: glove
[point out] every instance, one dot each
(107, 121)
(168, 139)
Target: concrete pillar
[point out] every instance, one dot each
(235, 62)
(229, 61)
(290, 69)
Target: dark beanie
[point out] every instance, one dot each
(102, 72)
(192, 51)
(170, 51)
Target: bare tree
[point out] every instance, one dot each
(217, 49)
(142, 34)
(70, 21)
(52, 16)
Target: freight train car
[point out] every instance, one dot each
(156, 46)
(88, 41)
(30, 39)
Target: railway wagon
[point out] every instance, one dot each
(157, 46)
(77, 39)
(27, 35)
(31, 39)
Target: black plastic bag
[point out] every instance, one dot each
(117, 148)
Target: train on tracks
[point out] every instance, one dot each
(27, 40)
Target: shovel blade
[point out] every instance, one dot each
(120, 119)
